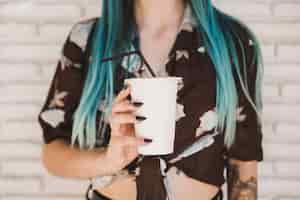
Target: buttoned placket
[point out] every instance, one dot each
(134, 62)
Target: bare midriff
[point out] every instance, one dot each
(184, 187)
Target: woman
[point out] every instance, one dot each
(218, 120)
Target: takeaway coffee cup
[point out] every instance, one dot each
(159, 96)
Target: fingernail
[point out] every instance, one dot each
(140, 118)
(129, 97)
(125, 86)
(148, 140)
(138, 104)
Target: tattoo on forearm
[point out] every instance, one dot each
(238, 189)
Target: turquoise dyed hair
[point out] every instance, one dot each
(112, 35)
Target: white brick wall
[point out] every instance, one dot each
(31, 35)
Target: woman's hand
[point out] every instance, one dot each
(122, 147)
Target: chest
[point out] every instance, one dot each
(156, 48)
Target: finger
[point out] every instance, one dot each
(133, 141)
(124, 106)
(122, 95)
(123, 118)
(127, 129)
(132, 152)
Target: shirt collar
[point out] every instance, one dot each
(187, 39)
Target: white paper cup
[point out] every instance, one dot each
(159, 96)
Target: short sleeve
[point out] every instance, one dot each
(63, 97)
(248, 137)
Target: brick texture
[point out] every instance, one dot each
(31, 36)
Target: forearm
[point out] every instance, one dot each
(62, 160)
(242, 181)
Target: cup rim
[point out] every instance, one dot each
(154, 78)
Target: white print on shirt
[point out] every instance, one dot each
(53, 116)
(131, 62)
(180, 84)
(166, 179)
(66, 62)
(58, 99)
(196, 146)
(250, 43)
(189, 21)
(208, 121)
(102, 181)
(182, 53)
(187, 27)
(240, 117)
(79, 34)
(179, 111)
(201, 49)
(169, 181)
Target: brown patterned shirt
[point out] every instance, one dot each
(199, 148)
